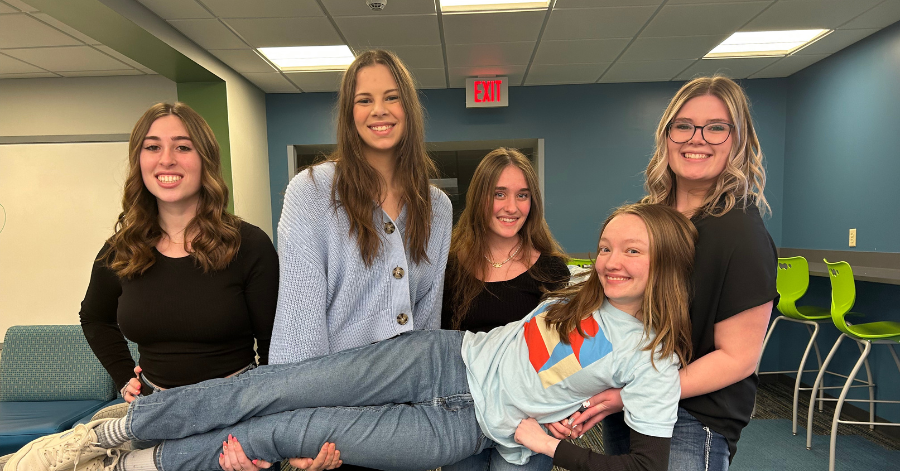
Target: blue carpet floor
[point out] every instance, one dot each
(767, 444)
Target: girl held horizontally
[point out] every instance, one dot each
(430, 398)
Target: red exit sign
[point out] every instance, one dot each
(487, 92)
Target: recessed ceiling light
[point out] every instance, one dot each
(308, 58)
(766, 43)
(486, 6)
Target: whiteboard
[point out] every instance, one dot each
(61, 203)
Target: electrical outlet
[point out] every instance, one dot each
(852, 237)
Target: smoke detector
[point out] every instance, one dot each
(376, 5)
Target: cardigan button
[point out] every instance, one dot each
(398, 273)
(389, 227)
(402, 318)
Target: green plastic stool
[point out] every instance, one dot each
(843, 296)
(792, 282)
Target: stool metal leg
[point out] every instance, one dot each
(814, 331)
(871, 383)
(816, 385)
(819, 361)
(840, 403)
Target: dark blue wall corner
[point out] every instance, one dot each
(842, 162)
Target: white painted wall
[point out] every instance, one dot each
(78, 106)
(61, 200)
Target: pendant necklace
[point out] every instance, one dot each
(500, 264)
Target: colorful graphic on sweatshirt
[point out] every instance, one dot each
(555, 361)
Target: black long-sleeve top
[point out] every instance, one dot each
(502, 302)
(189, 326)
(647, 454)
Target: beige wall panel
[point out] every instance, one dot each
(61, 201)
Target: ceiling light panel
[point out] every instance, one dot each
(486, 6)
(765, 43)
(309, 58)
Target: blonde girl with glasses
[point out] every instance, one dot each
(708, 166)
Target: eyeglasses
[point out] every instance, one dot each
(712, 133)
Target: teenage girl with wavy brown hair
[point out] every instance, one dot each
(193, 285)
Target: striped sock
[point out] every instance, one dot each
(112, 433)
(138, 460)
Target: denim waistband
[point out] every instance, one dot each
(159, 388)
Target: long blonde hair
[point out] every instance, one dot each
(469, 240)
(666, 303)
(358, 186)
(137, 228)
(744, 178)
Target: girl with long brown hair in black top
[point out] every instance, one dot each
(503, 258)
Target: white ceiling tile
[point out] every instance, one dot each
(881, 16)
(395, 7)
(101, 73)
(422, 57)
(65, 28)
(29, 75)
(21, 5)
(560, 74)
(597, 23)
(271, 82)
(4, 8)
(644, 71)
(458, 75)
(264, 9)
(122, 57)
(732, 68)
(713, 18)
(429, 78)
(9, 65)
(564, 4)
(316, 81)
(21, 30)
(279, 32)
(466, 55)
(809, 14)
(66, 58)
(387, 31)
(584, 51)
(177, 9)
(493, 27)
(209, 34)
(682, 47)
(835, 41)
(243, 60)
(788, 65)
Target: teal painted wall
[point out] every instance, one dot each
(842, 134)
(598, 140)
(840, 172)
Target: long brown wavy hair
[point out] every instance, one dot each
(358, 187)
(469, 241)
(744, 178)
(666, 303)
(137, 229)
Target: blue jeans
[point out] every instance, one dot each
(403, 404)
(695, 447)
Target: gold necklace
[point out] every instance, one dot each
(500, 264)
